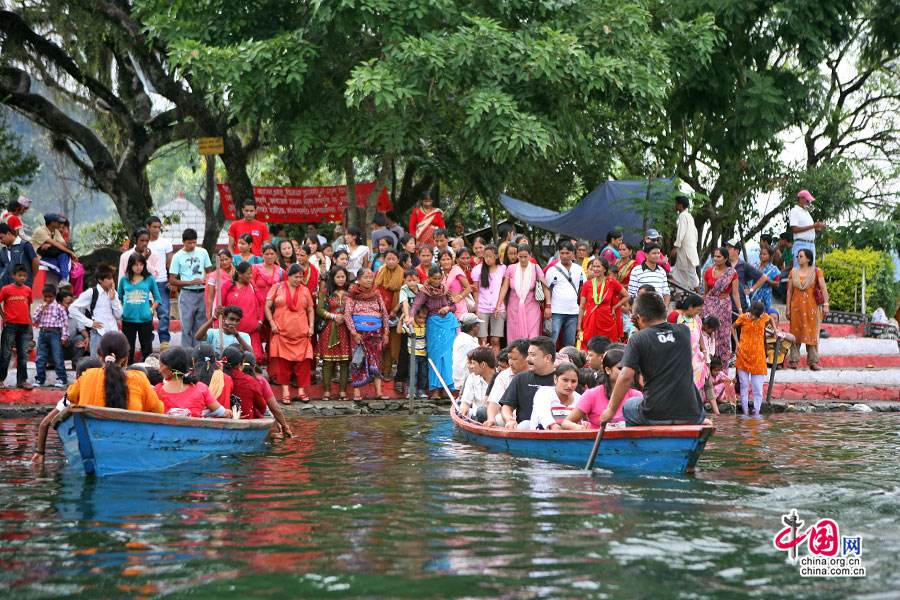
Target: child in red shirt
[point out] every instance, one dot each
(16, 301)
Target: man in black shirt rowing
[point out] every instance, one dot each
(519, 396)
(660, 351)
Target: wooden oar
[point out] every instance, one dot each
(446, 389)
(590, 462)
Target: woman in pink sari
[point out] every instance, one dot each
(239, 291)
(425, 220)
(265, 275)
(523, 312)
(455, 281)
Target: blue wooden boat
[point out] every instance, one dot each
(105, 441)
(671, 449)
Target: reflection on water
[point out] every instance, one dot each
(396, 506)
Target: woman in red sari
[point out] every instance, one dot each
(309, 275)
(601, 298)
(625, 263)
(425, 220)
(265, 275)
(240, 292)
(289, 311)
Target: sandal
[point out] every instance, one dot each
(384, 397)
(326, 397)
(304, 398)
(286, 399)
(342, 396)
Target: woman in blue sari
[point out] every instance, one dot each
(440, 328)
(764, 293)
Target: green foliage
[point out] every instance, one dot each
(881, 234)
(842, 280)
(18, 167)
(107, 233)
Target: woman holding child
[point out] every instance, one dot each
(440, 328)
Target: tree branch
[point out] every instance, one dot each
(17, 30)
(44, 113)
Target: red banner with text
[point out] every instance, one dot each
(302, 204)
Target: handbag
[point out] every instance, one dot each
(320, 324)
(818, 294)
(538, 290)
(359, 357)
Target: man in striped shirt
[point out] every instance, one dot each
(649, 272)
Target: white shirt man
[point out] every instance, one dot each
(802, 225)
(565, 279)
(685, 250)
(464, 342)
(106, 313)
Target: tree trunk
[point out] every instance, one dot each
(211, 226)
(351, 214)
(372, 199)
(129, 189)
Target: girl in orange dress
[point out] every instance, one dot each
(751, 353)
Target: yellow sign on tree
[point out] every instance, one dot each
(211, 145)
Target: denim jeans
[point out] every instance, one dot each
(564, 325)
(631, 410)
(801, 244)
(18, 335)
(163, 311)
(50, 343)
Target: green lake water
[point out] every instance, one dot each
(397, 507)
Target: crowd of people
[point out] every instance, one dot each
(576, 343)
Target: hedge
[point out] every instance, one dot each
(881, 289)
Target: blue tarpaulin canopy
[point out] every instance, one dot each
(613, 205)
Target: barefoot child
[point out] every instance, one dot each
(719, 387)
(751, 353)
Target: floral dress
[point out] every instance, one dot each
(334, 341)
(698, 361)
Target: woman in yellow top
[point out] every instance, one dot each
(113, 386)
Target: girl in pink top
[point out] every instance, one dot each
(181, 389)
(456, 282)
(594, 401)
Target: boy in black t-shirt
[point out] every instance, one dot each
(519, 396)
(660, 351)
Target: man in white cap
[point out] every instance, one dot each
(685, 247)
(13, 216)
(802, 225)
(465, 341)
(652, 236)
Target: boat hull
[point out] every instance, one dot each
(659, 449)
(107, 441)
